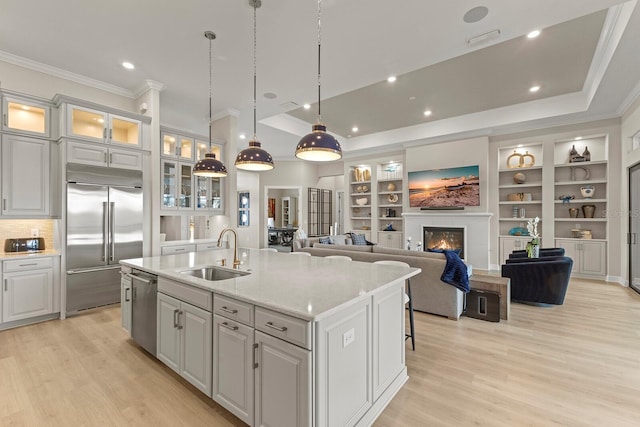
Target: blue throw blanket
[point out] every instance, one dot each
(455, 271)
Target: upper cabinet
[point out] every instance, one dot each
(181, 190)
(99, 126)
(26, 116)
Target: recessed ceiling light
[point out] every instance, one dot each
(578, 138)
(533, 34)
(534, 88)
(354, 129)
(25, 107)
(270, 95)
(128, 65)
(412, 98)
(427, 113)
(243, 136)
(391, 79)
(306, 106)
(520, 145)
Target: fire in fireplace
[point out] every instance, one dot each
(451, 238)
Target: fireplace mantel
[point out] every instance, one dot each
(477, 225)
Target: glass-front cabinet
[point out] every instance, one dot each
(177, 146)
(185, 191)
(99, 126)
(209, 193)
(26, 116)
(169, 187)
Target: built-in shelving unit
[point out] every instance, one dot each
(389, 178)
(360, 194)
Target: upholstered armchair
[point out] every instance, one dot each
(541, 280)
(544, 252)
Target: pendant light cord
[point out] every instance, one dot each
(255, 43)
(319, 43)
(210, 80)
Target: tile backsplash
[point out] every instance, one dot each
(17, 228)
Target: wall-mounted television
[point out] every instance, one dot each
(445, 188)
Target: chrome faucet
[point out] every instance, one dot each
(236, 261)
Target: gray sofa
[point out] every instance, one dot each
(429, 293)
(340, 239)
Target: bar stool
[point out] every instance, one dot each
(407, 299)
(269, 249)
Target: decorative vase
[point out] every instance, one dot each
(586, 154)
(533, 250)
(573, 153)
(588, 210)
(588, 191)
(519, 178)
(391, 187)
(573, 212)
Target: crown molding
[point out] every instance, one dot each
(146, 86)
(63, 74)
(228, 112)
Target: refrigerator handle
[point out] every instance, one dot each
(112, 227)
(105, 230)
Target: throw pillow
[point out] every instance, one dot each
(358, 239)
(326, 240)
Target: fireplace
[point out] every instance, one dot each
(444, 238)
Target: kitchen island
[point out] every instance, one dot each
(291, 341)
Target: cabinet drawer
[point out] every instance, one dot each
(233, 309)
(198, 297)
(288, 328)
(27, 264)
(180, 249)
(207, 246)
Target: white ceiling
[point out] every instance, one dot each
(587, 67)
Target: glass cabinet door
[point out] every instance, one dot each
(123, 130)
(169, 188)
(87, 124)
(185, 186)
(202, 148)
(186, 148)
(169, 145)
(28, 117)
(208, 191)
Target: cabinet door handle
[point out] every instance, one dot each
(110, 133)
(180, 314)
(126, 294)
(5, 284)
(105, 158)
(176, 313)
(255, 358)
(277, 328)
(6, 123)
(33, 264)
(228, 326)
(110, 158)
(104, 133)
(4, 204)
(226, 310)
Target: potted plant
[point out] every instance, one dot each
(533, 247)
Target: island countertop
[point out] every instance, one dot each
(306, 287)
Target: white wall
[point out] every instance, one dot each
(453, 154)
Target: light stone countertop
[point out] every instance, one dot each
(305, 287)
(21, 255)
(188, 242)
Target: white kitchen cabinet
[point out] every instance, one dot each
(177, 146)
(96, 155)
(26, 116)
(233, 367)
(25, 194)
(125, 302)
(177, 185)
(100, 126)
(589, 256)
(177, 249)
(282, 383)
(390, 239)
(184, 340)
(27, 288)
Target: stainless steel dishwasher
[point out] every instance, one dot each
(144, 288)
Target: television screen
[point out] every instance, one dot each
(442, 188)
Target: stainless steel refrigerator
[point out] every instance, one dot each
(104, 218)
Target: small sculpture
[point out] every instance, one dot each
(566, 199)
(389, 227)
(519, 178)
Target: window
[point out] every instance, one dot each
(320, 211)
(244, 214)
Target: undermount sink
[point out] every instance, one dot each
(214, 273)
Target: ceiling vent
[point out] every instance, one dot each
(482, 38)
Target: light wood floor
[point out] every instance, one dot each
(573, 365)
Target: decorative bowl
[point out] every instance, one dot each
(362, 201)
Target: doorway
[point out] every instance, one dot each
(283, 207)
(634, 227)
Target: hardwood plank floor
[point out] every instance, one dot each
(573, 365)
